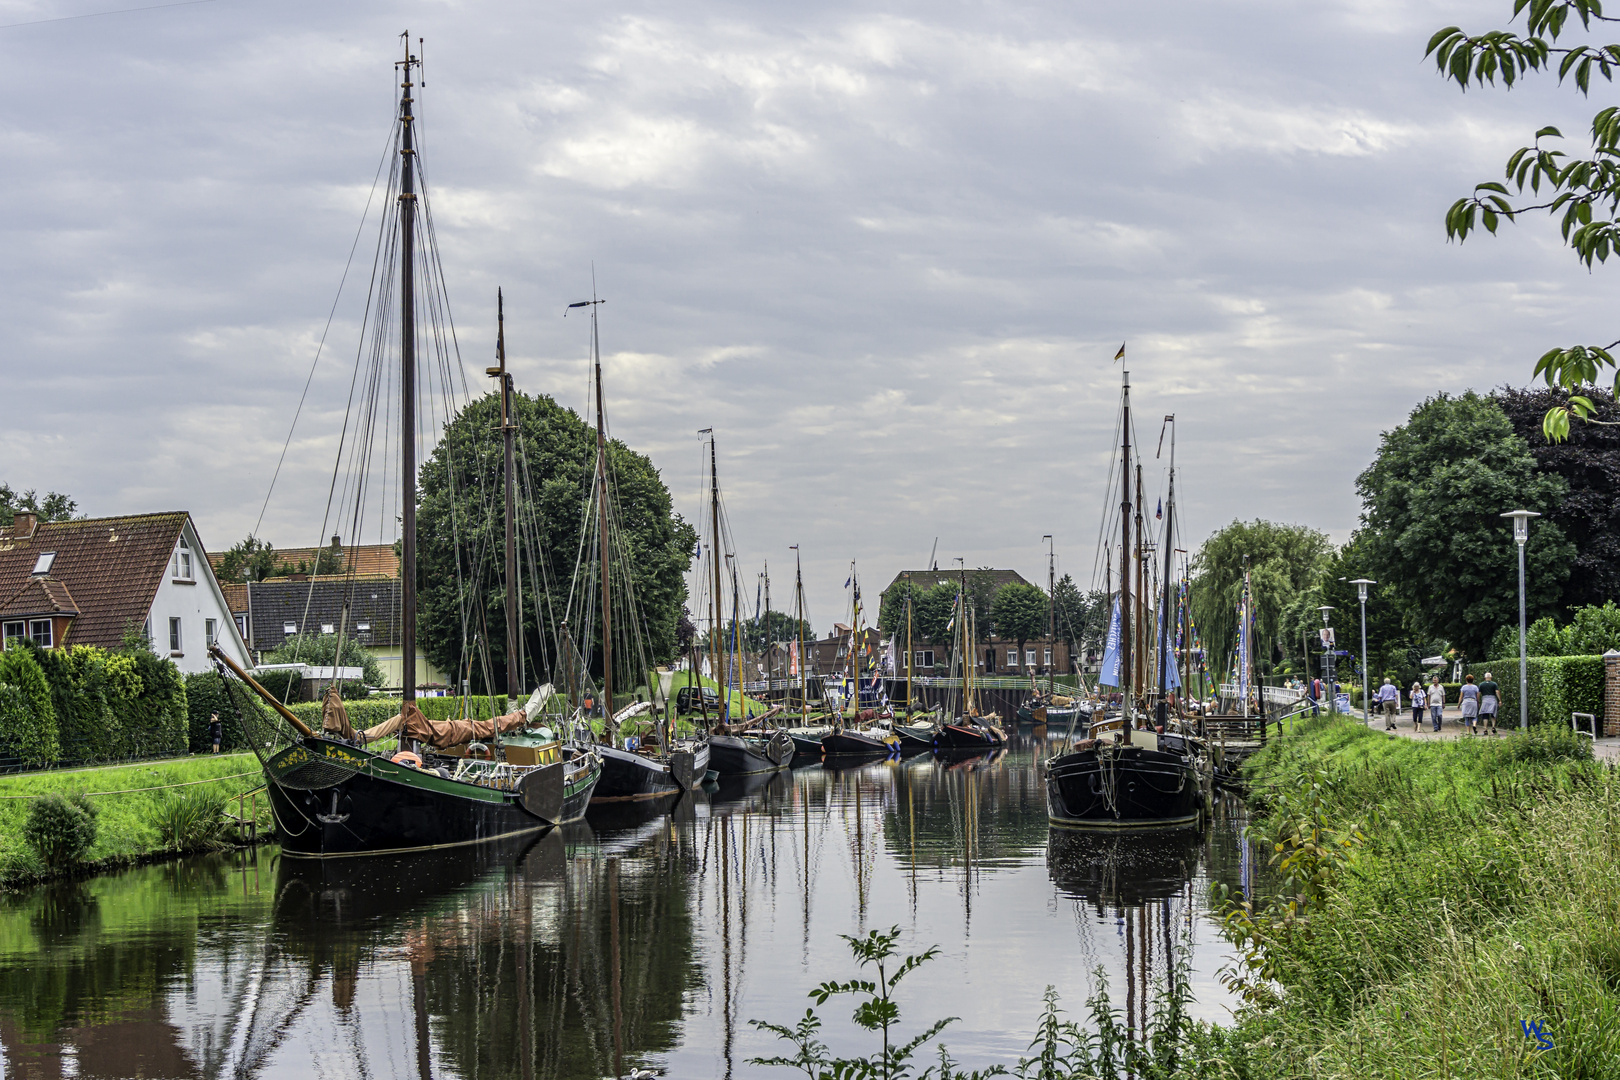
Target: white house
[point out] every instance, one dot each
(88, 582)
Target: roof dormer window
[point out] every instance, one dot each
(43, 564)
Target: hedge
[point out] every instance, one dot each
(205, 695)
(113, 706)
(1559, 685)
(28, 731)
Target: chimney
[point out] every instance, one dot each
(22, 524)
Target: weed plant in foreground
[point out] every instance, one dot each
(1442, 903)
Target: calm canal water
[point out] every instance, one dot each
(502, 963)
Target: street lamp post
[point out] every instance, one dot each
(1361, 591)
(1521, 533)
(1327, 660)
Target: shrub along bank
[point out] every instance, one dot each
(1441, 901)
(139, 811)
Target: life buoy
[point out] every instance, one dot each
(478, 749)
(405, 757)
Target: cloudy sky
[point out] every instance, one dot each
(886, 250)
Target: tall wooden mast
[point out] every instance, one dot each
(798, 632)
(407, 374)
(602, 526)
(1125, 672)
(1165, 612)
(514, 682)
(714, 551)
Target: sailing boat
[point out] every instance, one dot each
(656, 765)
(744, 748)
(860, 734)
(810, 728)
(916, 728)
(1120, 776)
(970, 731)
(332, 792)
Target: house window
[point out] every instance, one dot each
(14, 629)
(1029, 658)
(289, 628)
(989, 659)
(363, 631)
(241, 626)
(1048, 653)
(924, 658)
(41, 632)
(326, 628)
(43, 564)
(174, 635)
(210, 631)
(182, 561)
(1012, 658)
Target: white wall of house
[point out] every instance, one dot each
(190, 593)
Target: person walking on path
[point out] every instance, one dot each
(1469, 696)
(215, 731)
(1489, 696)
(1316, 696)
(1417, 706)
(1436, 697)
(1389, 697)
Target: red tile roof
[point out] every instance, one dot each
(368, 561)
(112, 566)
(39, 595)
(236, 594)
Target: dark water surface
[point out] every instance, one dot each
(655, 936)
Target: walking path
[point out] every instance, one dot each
(1451, 727)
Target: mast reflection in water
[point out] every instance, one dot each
(646, 936)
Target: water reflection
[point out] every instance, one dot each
(641, 937)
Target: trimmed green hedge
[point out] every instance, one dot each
(28, 730)
(1559, 685)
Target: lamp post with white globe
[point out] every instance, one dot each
(1521, 534)
(1361, 591)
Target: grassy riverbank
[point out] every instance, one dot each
(1453, 893)
(133, 799)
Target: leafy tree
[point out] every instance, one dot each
(249, 559)
(892, 607)
(460, 536)
(1588, 461)
(1283, 561)
(1082, 618)
(56, 507)
(933, 615)
(1021, 613)
(1388, 640)
(1431, 506)
(1584, 191)
(1593, 631)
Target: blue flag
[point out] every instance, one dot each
(1109, 675)
(1172, 676)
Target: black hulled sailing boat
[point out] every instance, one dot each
(971, 730)
(659, 764)
(334, 792)
(1120, 776)
(862, 734)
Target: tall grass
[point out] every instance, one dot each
(1483, 898)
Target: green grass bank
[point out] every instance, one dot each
(1438, 899)
(132, 800)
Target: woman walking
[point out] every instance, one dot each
(1469, 695)
(1489, 695)
(1436, 697)
(1417, 706)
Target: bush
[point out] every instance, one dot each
(60, 828)
(194, 821)
(28, 728)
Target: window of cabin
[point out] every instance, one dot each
(13, 629)
(174, 635)
(210, 631)
(41, 633)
